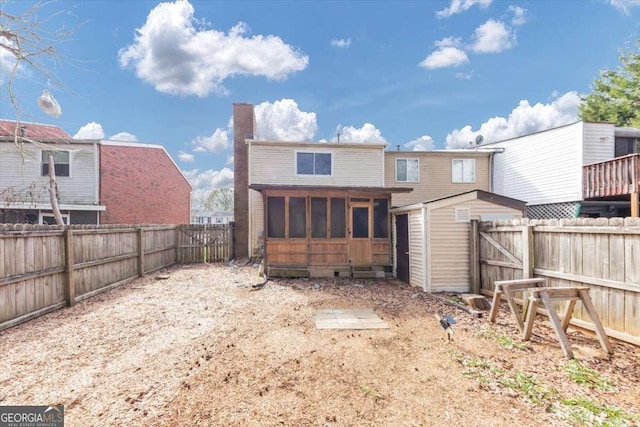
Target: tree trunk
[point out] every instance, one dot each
(53, 191)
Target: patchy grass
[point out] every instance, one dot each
(580, 374)
(582, 411)
(502, 340)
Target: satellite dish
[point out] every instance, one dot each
(479, 139)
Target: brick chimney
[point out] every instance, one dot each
(243, 128)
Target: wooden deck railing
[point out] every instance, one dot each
(614, 177)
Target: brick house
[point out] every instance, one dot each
(99, 181)
(141, 184)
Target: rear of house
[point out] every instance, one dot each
(314, 209)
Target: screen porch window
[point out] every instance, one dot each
(380, 218)
(463, 170)
(338, 218)
(275, 217)
(60, 160)
(407, 170)
(318, 217)
(297, 217)
(313, 163)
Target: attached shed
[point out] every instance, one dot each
(432, 238)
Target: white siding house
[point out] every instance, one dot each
(545, 168)
(24, 181)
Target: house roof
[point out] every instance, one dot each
(32, 130)
(479, 194)
(263, 187)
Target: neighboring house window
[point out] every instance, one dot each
(313, 163)
(463, 170)
(50, 219)
(60, 160)
(407, 170)
(462, 215)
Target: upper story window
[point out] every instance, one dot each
(313, 163)
(407, 170)
(60, 161)
(463, 170)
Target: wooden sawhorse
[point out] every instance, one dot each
(570, 295)
(508, 288)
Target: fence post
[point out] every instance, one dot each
(528, 251)
(177, 239)
(69, 285)
(475, 257)
(140, 252)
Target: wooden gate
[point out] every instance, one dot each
(204, 243)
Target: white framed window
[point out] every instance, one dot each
(50, 219)
(463, 170)
(407, 170)
(462, 215)
(314, 163)
(61, 161)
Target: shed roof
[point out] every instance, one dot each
(479, 194)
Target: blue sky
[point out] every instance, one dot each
(418, 74)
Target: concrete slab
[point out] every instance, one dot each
(334, 318)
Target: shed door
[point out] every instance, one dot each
(402, 247)
(360, 234)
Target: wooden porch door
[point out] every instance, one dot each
(360, 233)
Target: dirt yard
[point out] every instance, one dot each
(196, 345)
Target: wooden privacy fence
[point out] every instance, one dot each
(602, 253)
(44, 268)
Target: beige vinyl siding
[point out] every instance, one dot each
(416, 248)
(22, 173)
(435, 175)
(352, 164)
(599, 142)
(449, 243)
(256, 226)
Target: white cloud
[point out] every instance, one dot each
(181, 55)
(123, 136)
(7, 60)
(367, 133)
(341, 43)
(186, 157)
(204, 182)
(445, 57)
(519, 15)
(523, 120)
(216, 143)
(283, 121)
(424, 143)
(459, 6)
(625, 5)
(229, 160)
(464, 76)
(492, 37)
(91, 130)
